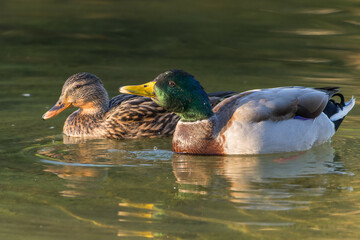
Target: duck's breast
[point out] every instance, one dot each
(197, 138)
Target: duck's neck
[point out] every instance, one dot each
(200, 109)
(86, 121)
(94, 109)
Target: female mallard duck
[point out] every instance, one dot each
(124, 116)
(261, 121)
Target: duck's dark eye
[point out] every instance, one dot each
(78, 86)
(171, 83)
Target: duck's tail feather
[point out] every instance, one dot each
(336, 111)
(346, 107)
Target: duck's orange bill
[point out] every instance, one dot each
(146, 90)
(56, 109)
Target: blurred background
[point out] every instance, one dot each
(52, 188)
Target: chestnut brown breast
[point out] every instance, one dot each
(197, 138)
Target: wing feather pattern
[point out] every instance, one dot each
(140, 117)
(274, 104)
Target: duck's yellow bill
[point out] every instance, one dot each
(146, 90)
(56, 109)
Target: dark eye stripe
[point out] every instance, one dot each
(79, 85)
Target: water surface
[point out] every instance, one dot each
(57, 188)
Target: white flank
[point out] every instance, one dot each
(277, 136)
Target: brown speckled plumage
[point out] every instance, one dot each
(124, 116)
(139, 117)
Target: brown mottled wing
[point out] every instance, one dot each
(273, 104)
(139, 117)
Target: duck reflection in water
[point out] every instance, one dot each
(77, 165)
(85, 163)
(261, 181)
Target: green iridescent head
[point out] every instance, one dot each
(176, 91)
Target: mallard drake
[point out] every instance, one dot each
(124, 116)
(283, 119)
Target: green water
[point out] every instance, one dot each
(55, 188)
